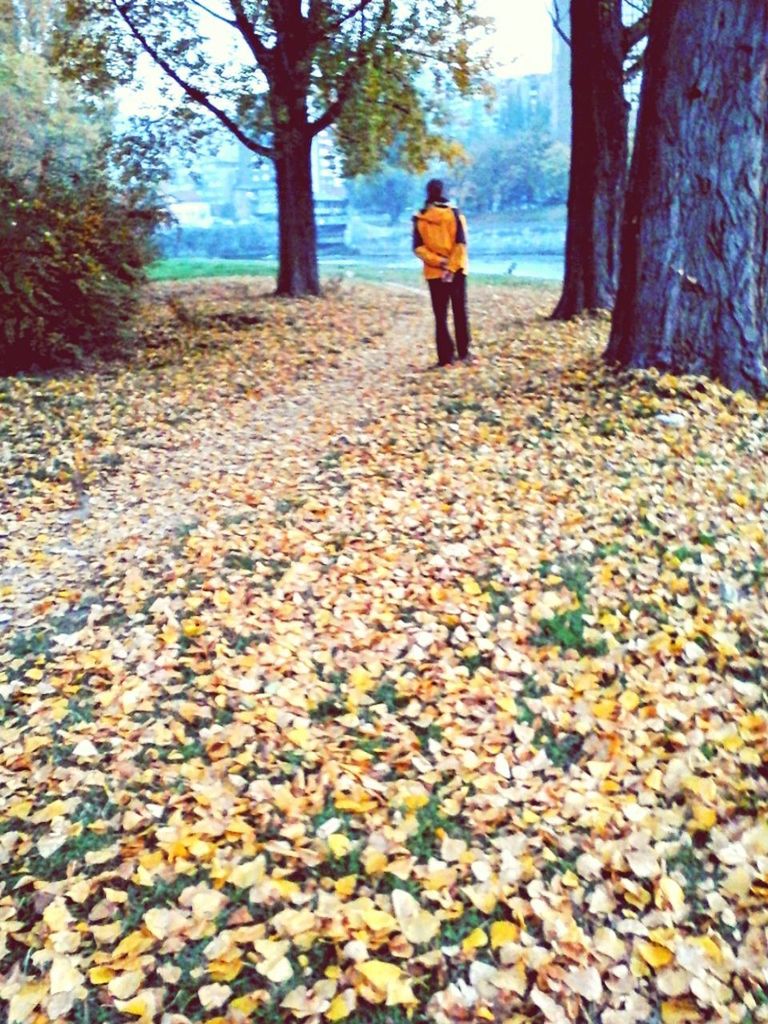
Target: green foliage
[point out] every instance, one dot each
(372, 70)
(74, 254)
(376, 71)
(28, 24)
(566, 630)
(75, 226)
(40, 116)
(526, 169)
(391, 108)
(503, 157)
(392, 191)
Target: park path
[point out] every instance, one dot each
(313, 618)
(167, 482)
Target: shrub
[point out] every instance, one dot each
(74, 248)
(77, 213)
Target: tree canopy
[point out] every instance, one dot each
(276, 73)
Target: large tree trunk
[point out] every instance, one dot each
(290, 77)
(297, 272)
(598, 158)
(693, 295)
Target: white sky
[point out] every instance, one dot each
(523, 43)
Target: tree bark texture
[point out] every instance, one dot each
(694, 276)
(289, 80)
(298, 270)
(598, 158)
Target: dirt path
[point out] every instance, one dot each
(166, 483)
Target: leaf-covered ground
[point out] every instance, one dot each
(334, 689)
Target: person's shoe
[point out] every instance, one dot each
(468, 359)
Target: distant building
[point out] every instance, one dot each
(191, 213)
(524, 103)
(235, 185)
(475, 115)
(233, 191)
(560, 122)
(222, 182)
(327, 169)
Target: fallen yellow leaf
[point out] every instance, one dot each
(475, 940)
(503, 932)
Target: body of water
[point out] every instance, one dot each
(547, 268)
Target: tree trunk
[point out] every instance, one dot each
(289, 87)
(598, 158)
(297, 271)
(693, 295)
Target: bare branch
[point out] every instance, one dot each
(261, 52)
(633, 34)
(427, 55)
(199, 97)
(336, 25)
(335, 108)
(634, 69)
(557, 22)
(214, 14)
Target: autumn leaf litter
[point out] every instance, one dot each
(336, 690)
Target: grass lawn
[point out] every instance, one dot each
(184, 269)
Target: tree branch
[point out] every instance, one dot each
(199, 97)
(262, 53)
(214, 14)
(557, 22)
(632, 34)
(332, 111)
(355, 65)
(426, 55)
(336, 25)
(634, 69)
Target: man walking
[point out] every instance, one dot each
(440, 242)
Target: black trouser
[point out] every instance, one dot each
(442, 293)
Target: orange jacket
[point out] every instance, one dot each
(440, 239)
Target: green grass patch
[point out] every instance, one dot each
(424, 842)
(574, 573)
(697, 873)
(562, 748)
(387, 695)
(566, 631)
(192, 268)
(70, 855)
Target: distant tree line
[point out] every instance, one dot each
(508, 160)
